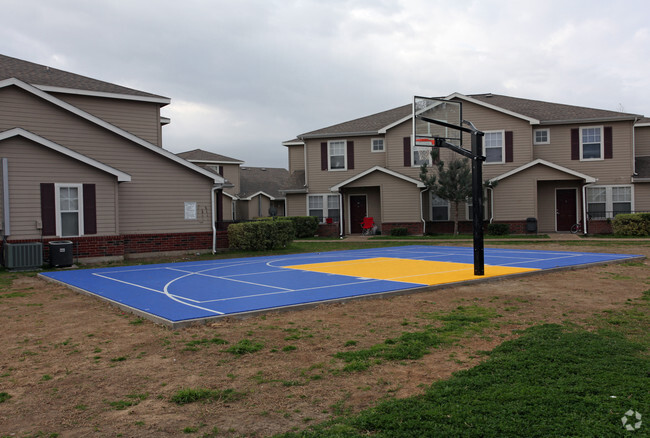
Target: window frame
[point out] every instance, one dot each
(502, 147)
(602, 143)
(324, 199)
(58, 211)
(330, 143)
(433, 195)
(609, 199)
(372, 145)
(548, 136)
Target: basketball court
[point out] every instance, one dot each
(178, 294)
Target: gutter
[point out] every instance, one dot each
(424, 223)
(584, 208)
(213, 192)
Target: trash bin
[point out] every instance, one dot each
(60, 253)
(531, 225)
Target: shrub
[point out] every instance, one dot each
(498, 229)
(260, 235)
(304, 226)
(399, 231)
(637, 224)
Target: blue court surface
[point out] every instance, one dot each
(176, 294)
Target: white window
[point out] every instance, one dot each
(541, 136)
(493, 146)
(336, 155)
(439, 208)
(591, 143)
(607, 201)
(323, 207)
(377, 145)
(69, 210)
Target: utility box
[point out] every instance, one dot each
(60, 253)
(531, 225)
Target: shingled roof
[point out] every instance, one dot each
(44, 77)
(536, 111)
(201, 156)
(262, 179)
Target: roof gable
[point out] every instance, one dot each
(112, 128)
(337, 187)
(19, 132)
(205, 157)
(587, 178)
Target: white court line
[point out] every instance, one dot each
(165, 292)
(288, 291)
(136, 285)
(230, 279)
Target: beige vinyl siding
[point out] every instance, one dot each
(642, 139)
(258, 207)
(617, 170)
(320, 181)
(231, 173)
(138, 118)
(227, 208)
(296, 158)
(296, 204)
(641, 197)
(153, 202)
(30, 164)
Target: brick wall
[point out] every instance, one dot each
(328, 230)
(121, 245)
(413, 228)
(599, 227)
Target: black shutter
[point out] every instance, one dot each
(90, 209)
(575, 144)
(323, 156)
(509, 147)
(350, 155)
(48, 209)
(609, 144)
(407, 152)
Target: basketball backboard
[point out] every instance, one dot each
(447, 111)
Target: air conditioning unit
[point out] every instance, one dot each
(23, 255)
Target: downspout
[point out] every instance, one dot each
(634, 147)
(491, 203)
(6, 223)
(340, 215)
(424, 223)
(584, 207)
(214, 219)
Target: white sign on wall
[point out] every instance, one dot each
(190, 210)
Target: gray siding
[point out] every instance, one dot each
(138, 118)
(642, 139)
(153, 201)
(296, 158)
(30, 164)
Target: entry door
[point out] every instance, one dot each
(565, 209)
(357, 212)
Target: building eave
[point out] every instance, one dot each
(109, 127)
(52, 89)
(587, 178)
(338, 186)
(20, 132)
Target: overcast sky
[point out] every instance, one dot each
(245, 75)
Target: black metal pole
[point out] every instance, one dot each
(477, 202)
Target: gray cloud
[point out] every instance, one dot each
(244, 76)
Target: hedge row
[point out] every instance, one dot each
(635, 224)
(271, 233)
(260, 235)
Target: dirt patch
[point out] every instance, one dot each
(76, 366)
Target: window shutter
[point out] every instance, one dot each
(609, 145)
(575, 144)
(509, 147)
(407, 152)
(90, 209)
(350, 154)
(323, 156)
(48, 209)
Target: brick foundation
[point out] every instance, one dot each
(328, 230)
(98, 247)
(600, 227)
(413, 228)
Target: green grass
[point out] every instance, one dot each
(191, 395)
(551, 381)
(132, 400)
(462, 321)
(4, 397)
(245, 346)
